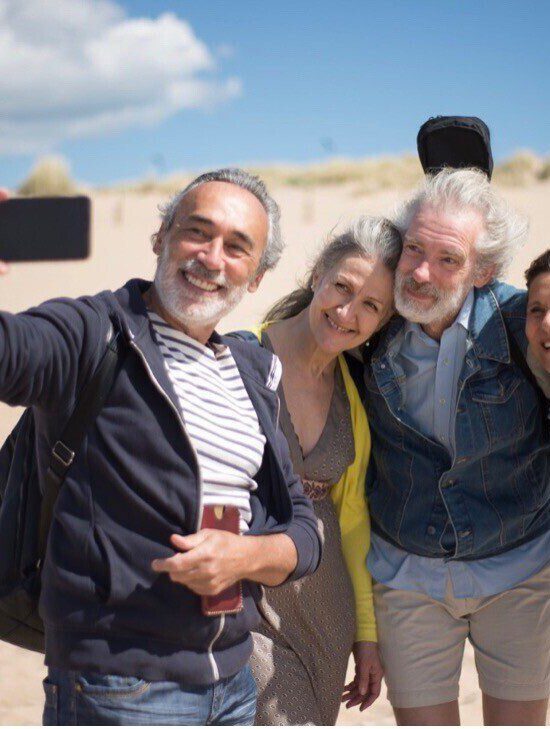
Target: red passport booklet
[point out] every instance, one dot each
(231, 599)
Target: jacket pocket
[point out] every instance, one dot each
(497, 403)
(108, 688)
(101, 560)
(496, 389)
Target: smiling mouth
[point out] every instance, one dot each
(337, 328)
(199, 283)
(545, 345)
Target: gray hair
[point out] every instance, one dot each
(374, 238)
(235, 176)
(505, 231)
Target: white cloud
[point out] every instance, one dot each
(75, 68)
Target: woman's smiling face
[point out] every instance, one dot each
(350, 302)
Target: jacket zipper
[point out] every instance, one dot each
(178, 415)
(140, 354)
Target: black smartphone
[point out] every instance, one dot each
(44, 228)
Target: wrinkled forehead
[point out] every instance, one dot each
(445, 225)
(221, 199)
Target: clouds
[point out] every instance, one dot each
(78, 68)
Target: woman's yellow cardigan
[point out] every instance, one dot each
(348, 496)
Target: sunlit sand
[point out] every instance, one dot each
(122, 224)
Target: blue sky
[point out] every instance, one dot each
(286, 81)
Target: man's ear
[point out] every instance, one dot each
(158, 239)
(483, 276)
(253, 285)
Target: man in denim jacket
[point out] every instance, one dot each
(459, 483)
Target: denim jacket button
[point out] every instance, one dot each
(431, 530)
(448, 483)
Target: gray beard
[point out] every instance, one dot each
(445, 307)
(189, 312)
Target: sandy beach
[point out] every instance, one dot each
(122, 225)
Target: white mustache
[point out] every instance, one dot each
(421, 288)
(196, 268)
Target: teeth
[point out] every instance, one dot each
(546, 345)
(200, 284)
(335, 326)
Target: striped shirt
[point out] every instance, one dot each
(219, 418)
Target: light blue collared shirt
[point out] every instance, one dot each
(430, 373)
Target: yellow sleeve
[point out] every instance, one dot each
(349, 499)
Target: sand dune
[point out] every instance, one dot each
(122, 224)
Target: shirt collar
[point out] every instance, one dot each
(214, 342)
(413, 329)
(465, 312)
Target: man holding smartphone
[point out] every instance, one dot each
(189, 434)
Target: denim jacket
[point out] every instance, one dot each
(494, 494)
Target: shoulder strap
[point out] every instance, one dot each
(87, 408)
(246, 335)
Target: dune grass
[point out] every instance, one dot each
(363, 176)
(50, 176)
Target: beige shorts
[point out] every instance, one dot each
(422, 641)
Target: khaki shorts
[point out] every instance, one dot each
(422, 641)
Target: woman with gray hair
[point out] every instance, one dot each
(309, 628)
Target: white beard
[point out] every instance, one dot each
(445, 306)
(183, 306)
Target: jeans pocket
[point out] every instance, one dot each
(51, 691)
(104, 687)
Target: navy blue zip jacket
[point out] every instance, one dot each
(134, 483)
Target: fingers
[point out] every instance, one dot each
(354, 699)
(4, 194)
(183, 562)
(198, 565)
(356, 694)
(4, 268)
(190, 541)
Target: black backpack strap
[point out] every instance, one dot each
(245, 335)
(87, 408)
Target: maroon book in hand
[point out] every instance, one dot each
(229, 600)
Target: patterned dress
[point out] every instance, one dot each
(302, 647)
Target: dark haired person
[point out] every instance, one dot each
(537, 327)
(191, 422)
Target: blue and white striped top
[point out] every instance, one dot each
(218, 415)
